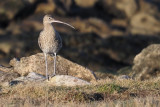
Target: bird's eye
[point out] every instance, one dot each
(49, 18)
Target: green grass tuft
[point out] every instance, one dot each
(109, 88)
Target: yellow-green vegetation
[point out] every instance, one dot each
(105, 92)
(109, 88)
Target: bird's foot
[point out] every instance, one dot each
(53, 75)
(47, 77)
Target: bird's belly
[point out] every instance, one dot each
(50, 46)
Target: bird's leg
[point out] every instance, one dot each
(45, 55)
(54, 64)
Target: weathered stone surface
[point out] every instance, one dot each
(149, 7)
(58, 80)
(126, 8)
(145, 24)
(6, 69)
(7, 47)
(48, 7)
(35, 76)
(36, 63)
(7, 76)
(66, 80)
(95, 25)
(9, 8)
(147, 63)
(86, 3)
(31, 77)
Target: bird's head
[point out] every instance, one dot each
(49, 19)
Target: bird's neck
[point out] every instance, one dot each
(48, 26)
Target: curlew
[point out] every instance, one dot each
(50, 41)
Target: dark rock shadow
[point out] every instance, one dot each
(111, 53)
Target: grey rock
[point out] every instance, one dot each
(31, 77)
(66, 80)
(35, 76)
(58, 80)
(123, 77)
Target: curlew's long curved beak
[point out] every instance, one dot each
(57, 21)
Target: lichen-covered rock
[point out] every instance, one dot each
(147, 63)
(6, 69)
(66, 80)
(36, 63)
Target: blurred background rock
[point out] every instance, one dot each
(108, 35)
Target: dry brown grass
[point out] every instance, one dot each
(106, 92)
(135, 102)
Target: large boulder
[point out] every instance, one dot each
(36, 63)
(147, 63)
